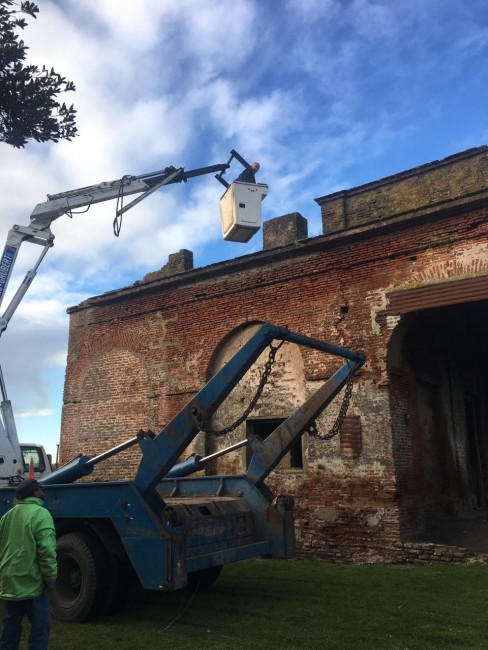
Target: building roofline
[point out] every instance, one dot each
(290, 251)
(409, 173)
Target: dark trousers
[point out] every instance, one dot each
(37, 611)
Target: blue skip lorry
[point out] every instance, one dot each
(169, 528)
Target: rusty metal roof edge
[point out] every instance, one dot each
(435, 293)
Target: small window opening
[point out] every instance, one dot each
(263, 428)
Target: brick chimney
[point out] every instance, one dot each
(287, 229)
(177, 263)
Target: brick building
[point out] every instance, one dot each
(401, 273)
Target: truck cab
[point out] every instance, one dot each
(42, 460)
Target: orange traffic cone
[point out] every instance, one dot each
(31, 468)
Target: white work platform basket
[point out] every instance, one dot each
(240, 210)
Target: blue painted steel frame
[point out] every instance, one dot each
(145, 536)
(270, 525)
(157, 546)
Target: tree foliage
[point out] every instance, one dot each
(29, 106)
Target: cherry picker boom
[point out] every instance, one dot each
(38, 232)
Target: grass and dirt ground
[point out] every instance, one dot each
(264, 605)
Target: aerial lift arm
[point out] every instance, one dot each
(38, 231)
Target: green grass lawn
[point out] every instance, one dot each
(304, 605)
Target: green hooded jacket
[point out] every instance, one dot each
(27, 550)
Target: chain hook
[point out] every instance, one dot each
(341, 416)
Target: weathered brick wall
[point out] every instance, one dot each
(430, 189)
(137, 355)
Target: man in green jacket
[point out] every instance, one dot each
(27, 567)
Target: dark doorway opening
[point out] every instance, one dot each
(439, 407)
(477, 465)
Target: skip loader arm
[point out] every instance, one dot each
(171, 528)
(160, 453)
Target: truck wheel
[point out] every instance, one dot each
(82, 580)
(204, 578)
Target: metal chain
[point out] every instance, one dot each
(336, 427)
(262, 383)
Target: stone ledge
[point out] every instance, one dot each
(453, 181)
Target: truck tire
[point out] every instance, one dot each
(83, 579)
(204, 578)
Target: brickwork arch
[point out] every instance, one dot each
(284, 392)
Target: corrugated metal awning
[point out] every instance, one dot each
(442, 294)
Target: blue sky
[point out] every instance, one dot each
(326, 95)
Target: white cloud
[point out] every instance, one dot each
(252, 121)
(123, 19)
(35, 413)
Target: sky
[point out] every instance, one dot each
(325, 94)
